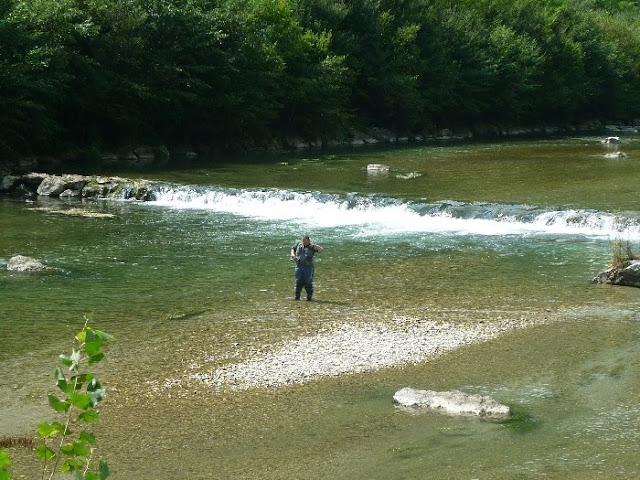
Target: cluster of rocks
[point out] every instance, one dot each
(70, 185)
(628, 276)
(348, 348)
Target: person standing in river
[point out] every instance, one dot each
(302, 252)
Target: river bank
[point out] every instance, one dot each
(149, 157)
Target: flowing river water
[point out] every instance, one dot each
(199, 278)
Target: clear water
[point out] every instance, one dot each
(460, 232)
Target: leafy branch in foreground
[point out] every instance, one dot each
(5, 463)
(61, 447)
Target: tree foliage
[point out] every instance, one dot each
(103, 73)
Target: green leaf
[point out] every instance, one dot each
(71, 465)
(104, 470)
(94, 340)
(87, 437)
(92, 349)
(61, 381)
(91, 476)
(80, 448)
(91, 336)
(97, 392)
(80, 380)
(93, 359)
(104, 336)
(4, 475)
(94, 385)
(81, 336)
(80, 400)
(66, 359)
(4, 459)
(45, 430)
(52, 429)
(89, 415)
(76, 449)
(67, 449)
(44, 453)
(57, 404)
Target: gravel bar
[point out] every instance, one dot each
(349, 348)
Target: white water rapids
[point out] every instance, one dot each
(381, 215)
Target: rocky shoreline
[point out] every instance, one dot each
(81, 186)
(344, 349)
(153, 156)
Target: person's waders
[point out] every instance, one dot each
(304, 270)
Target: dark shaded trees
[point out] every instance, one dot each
(96, 74)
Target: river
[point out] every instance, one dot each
(461, 232)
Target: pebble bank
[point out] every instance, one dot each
(346, 349)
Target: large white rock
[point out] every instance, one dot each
(54, 185)
(377, 168)
(454, 402)
(22, 263)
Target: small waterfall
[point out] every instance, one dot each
(379, 215)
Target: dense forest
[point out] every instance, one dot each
(90, 75)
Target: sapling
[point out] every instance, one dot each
(62, 449)
(5, 463)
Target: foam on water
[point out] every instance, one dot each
(379, 215)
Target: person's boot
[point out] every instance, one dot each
(309, 295)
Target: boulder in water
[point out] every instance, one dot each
(453, 402)
(376, 168)
(54, 185)
(629, 276)
(22, 263)
(615, 155)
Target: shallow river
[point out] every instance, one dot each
(462, 233)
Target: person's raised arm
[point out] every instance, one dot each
(319, 249)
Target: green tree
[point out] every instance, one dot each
(32, 77)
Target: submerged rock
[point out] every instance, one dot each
(22, 263)
(454, 402)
